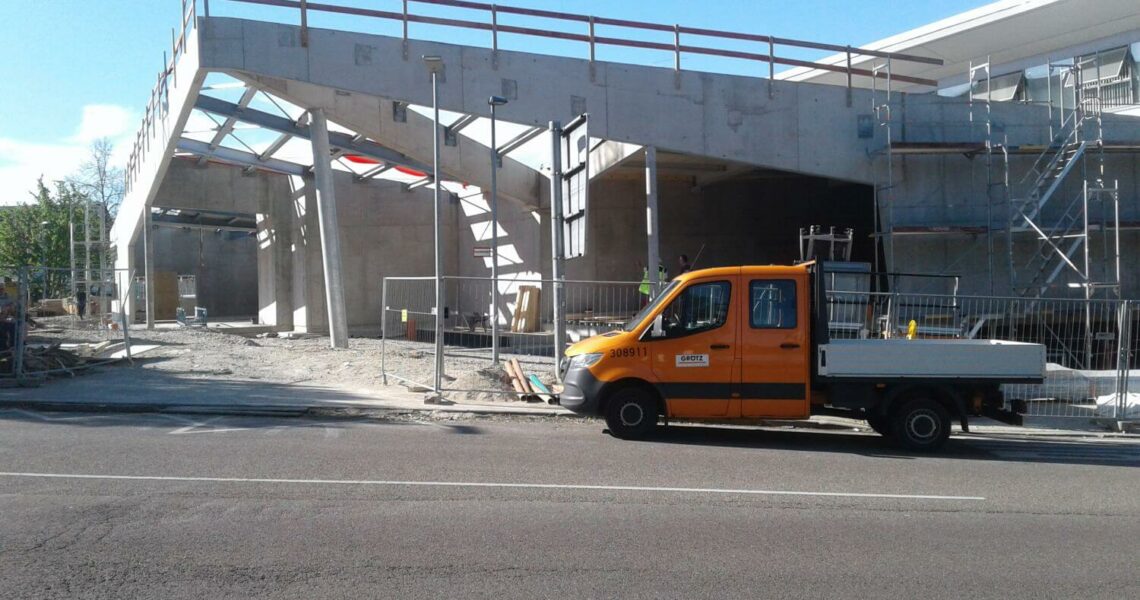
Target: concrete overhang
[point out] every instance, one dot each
(1011, 35)
(356, 77)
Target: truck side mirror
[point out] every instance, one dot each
(658, 329)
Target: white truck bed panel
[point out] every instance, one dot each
(941, 359)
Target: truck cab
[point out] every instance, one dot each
(744, 343)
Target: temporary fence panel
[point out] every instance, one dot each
(408, 330)
(592, 307)
(48, 330)
(1089, 353)
(1090, 345)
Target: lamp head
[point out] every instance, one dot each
(434, 62)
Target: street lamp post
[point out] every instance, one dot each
(494, 101)
(435, 66)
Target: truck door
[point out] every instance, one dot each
(693, 358)
(774, 347)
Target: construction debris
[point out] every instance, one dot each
(524, 385)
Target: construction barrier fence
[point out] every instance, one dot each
(55, 322)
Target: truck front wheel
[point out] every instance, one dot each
(631, 413)
(879, 424)
(921, 424)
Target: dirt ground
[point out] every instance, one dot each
(208, 354)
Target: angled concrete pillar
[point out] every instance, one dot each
(330, 231)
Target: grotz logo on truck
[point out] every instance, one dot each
(692, 360)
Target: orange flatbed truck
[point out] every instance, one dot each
(751, 343)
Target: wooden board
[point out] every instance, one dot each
(527, 304)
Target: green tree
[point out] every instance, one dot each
(37, 235)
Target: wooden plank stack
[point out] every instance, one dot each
(527, 303)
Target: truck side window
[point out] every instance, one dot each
(701, 307)
(773, 303)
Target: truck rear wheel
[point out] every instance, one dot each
(631, 413)
(920, 424)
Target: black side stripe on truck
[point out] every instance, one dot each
(723, 391)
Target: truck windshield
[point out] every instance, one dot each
(651, 307)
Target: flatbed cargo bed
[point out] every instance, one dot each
(1007, 362)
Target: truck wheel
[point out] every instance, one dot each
(880, 424)
(631, 413)
(921, 424)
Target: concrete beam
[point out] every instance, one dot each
(342, 142)
(240, 158)
(469, 161)
(228, 126)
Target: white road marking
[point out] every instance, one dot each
(198, 427)
(186, 430)
(479, 484)
(43, 417)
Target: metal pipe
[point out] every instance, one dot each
(384, 330)
(653, 256)
(435, 65)
(304, 24)
(557, 254)
(494, 101)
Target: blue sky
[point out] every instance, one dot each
(76, 70)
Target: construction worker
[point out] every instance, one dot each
(683, 260)
(644, 288)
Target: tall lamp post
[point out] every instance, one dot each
(494, 101)
(435, 67)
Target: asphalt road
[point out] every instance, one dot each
(165, 506)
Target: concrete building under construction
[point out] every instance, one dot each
(287, 160)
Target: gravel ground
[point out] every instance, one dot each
(200, 353)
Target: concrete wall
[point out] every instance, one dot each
(752, 221)
(384, 232)
(224, 264)
(951, 190)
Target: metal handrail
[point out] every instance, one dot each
(593, 40)
(156, 107)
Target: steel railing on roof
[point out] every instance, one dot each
(156, 105)
(589, 36)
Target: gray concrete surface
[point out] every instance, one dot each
(162, 506)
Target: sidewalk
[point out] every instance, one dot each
(146, 390)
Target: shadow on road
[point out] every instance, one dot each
(960, 446)
(151, 398)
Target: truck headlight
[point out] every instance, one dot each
(585, 360)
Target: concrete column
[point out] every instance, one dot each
(651, 230)
(330, 231)
(557, 254)
(275, 262)
(148, 265)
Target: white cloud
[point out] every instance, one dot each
(22, 162)
(103, 121)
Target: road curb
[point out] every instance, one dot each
(366, 412)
